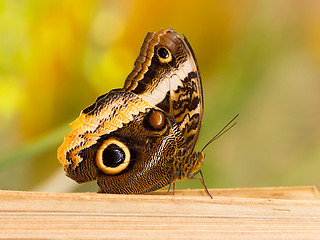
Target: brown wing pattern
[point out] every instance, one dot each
(117, 142)
(174, 86)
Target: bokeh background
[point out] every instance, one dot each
(260, 59)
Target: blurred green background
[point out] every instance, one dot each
(260, 59)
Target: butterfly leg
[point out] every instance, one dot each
(173, 185)
(193, 176)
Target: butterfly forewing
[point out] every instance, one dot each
(174, 86)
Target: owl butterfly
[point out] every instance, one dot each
(142, 137)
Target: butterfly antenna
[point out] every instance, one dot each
(226, 128)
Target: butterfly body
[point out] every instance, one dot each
(142, 137)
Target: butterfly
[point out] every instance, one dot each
(142, 137)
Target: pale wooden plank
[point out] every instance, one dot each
(98, 216)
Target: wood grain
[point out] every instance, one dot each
(259, 213)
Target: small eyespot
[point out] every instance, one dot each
(112, 157)
(155, 120)
(164, 55)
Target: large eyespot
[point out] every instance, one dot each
(155, 120)
(112, 157)
(164, 55)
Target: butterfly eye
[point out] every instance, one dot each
(112, 157)
(155, 120)
(164, 55)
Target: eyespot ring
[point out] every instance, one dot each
(164, 54)
(118, 154)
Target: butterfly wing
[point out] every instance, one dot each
(113, 128)
(128, 138)
(173, 83)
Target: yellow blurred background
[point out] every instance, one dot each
(260, 59)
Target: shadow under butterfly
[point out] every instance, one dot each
(142, 137)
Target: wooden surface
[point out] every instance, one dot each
(258, 213)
